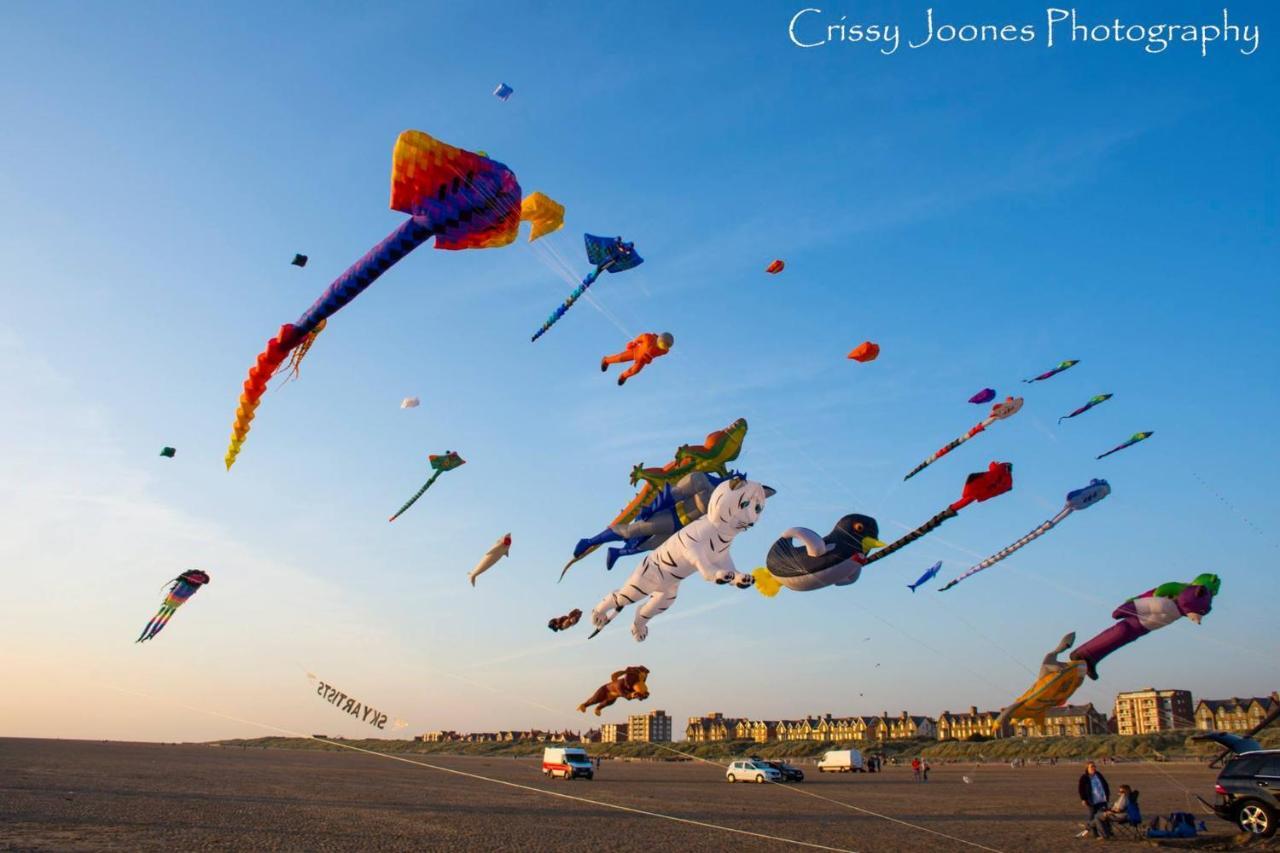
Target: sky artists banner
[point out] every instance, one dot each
(350, 705)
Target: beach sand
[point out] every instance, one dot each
(89, 795)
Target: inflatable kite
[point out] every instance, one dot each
(565, 622)
(500, 549)
(1055, 684)
(1078, 499)
(439, 464)
(667, 500)
(1093, 401)
(986, 395)
(702, 547)
(462, 199)
(168, 452)
(1147, 612)
(775, 267)
(299, 260)
(624, 684)
(641, 352)
(503, 92)
(410, 403)
(864, 352)
(1055, 371)
(832, 560)
(1133, 439)
(999, 412)
(607, 253)
(929, 574)
(180, 589)
(982, 486)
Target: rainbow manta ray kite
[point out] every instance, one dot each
(439, 464)
(999, 412)
(181, 588)
(607, 253)
(1078, 499)
(464, 200)
(1066, 365)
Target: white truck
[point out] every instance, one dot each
(841, 761)
(569, 762)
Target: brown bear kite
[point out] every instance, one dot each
(624, 684)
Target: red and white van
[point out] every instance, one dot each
(566, 762)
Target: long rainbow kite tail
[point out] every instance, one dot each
(463, 199)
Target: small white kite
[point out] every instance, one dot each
(500, 549)
(410, 403)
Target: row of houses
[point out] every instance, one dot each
(1136, 712)
(653, 727)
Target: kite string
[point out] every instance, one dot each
(478, 777)
(834, 801)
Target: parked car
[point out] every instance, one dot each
(567, 763)
(841, 761)
(749, 770)
(789, 772)
(1249, 788)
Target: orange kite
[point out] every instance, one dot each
(640, 352)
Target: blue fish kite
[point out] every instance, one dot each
(926, 577)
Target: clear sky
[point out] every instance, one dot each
(982, 211)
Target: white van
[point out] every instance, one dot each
(568, 762)
(841, 761)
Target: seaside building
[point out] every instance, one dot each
(591, 736)
(653, 727)
(1140, 712)
(613, 732)
(438, 737)
(1234, 714)
(713, 727)
(965, 726)
(1067, 721)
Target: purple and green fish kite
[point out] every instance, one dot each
(1133, 439)
(1069, 363)
(1093, 401)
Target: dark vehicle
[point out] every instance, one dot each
(1249, 787)
(789, 773)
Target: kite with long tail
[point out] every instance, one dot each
(1133, 439)
(439, 464)
(999, 412)
(1093, 401)
(607, 253)
(981, 486)
(1069, 363)
(1078, 499)
(463, 199)
(181, 588)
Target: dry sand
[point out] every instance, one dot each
(87, 795)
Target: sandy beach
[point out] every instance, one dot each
(89, 795)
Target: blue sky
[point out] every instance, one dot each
(981, 211)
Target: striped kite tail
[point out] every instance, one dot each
(1006, 551)
(927, 527)
(415, 497)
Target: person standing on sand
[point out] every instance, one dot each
(924, 769)
(915, 769)
(1094, 793)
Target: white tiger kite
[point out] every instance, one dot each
(701, 546)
